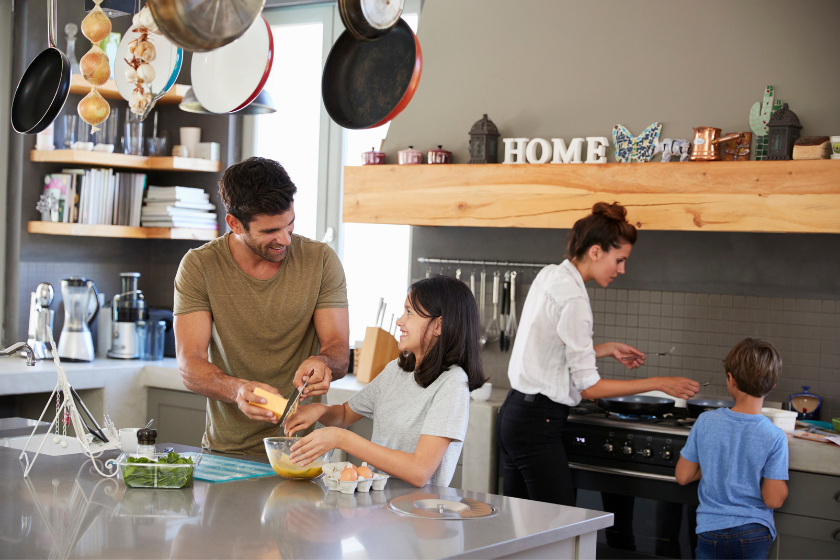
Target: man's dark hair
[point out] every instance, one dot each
(256, 186)
(458, 343)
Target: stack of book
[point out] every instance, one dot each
(178, 207)
(95, 196)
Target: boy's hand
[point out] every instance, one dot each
(305, 416)
(680, 387)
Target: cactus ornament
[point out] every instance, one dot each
(759, 117)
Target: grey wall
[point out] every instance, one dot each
(559, 68)
(33, 258)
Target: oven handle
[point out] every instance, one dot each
(623, 472)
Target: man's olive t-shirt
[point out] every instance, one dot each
(262, 329)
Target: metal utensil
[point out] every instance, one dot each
(649, 354)
(472, 283)
(204, 25)
(291, 408)
(483, 339)
(504, 308)
(369, 21)
(492, 333)
(512, 325)
(150, 423)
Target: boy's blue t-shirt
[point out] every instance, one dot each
(735, 451)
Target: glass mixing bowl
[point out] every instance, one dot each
(278, 450)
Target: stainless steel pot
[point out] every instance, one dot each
(369, 20)
(204, 25)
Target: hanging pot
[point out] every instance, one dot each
(365, 84)
(44, 87)
(369, 20)
(204, 25)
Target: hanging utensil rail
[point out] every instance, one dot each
(425, 260)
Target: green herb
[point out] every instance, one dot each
(145, 473)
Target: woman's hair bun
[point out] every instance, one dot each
(614, 211)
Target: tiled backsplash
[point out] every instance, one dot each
(156, 281)
(704, 327)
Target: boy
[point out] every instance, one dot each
(743, 458)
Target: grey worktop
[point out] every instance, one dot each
(64, 509)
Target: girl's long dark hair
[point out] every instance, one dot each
(458, 344)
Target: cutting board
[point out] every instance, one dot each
(213, 468)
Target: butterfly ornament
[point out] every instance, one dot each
(641, 148)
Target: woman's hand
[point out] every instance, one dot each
(316, 444)
(624, 353)
(304, 416)
(680, 387)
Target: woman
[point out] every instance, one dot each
(420, 402)
(552, 365)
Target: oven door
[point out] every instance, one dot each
(655, 517)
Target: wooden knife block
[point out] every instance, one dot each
(378, 350)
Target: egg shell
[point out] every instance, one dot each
(364, 471)
(349, 473)
(331, 482)
(335, 468)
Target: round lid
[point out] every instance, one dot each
(129, 275)
(146, 436)
(374, 151)
(439, 150)
(382, 14)
(75, 281)
(410, 150)
(435, 506)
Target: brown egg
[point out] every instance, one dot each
(364, 471)
(349, 473)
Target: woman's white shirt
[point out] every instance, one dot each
(553, 353)
(402, 411)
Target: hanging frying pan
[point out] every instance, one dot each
(367, 83)
(369, 20)
(44, 87)
(230, 78)
(204, 25)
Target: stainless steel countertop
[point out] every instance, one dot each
(66, 510)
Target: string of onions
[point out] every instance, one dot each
(95, 67)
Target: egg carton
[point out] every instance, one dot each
(332, 473)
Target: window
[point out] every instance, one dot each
(314, 150)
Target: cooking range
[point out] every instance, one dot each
(634, 456)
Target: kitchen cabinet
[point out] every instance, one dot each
(808, 524)
(179, 416)
(750, 196)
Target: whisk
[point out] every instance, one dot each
(493, 332)
(510, 331)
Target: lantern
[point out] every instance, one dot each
(484, 141)
(784, 130)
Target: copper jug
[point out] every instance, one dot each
(705, 145)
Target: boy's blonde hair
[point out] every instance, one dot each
(755, 366)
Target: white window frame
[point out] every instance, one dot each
(331, 136)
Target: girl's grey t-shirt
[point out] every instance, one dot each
(402, 411)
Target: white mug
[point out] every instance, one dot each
(482, 393)
(128, 440)
(190, 137)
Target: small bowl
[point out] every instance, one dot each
(278, 450)
(836, 423)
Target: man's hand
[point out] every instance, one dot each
(316, 444)
(305, 416)
(314, 371)
(245, 395)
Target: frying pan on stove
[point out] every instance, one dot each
(696, 407)
(44, 87)
(637, 404)
(365, 84)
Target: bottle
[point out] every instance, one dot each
(146, 442)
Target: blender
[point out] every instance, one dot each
(76, 343)
(128, 319)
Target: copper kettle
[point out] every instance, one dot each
(706, 142)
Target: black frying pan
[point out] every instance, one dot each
(365, 84)
(44, 87)
(696, 407)
(637, 404)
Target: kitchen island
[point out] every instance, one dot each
(64, 509)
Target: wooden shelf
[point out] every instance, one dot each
(85, 230)
(79, 86)
(82, 157)
(756, 196)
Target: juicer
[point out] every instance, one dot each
(128, 316)
(76, 343)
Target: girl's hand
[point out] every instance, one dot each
(316, 444)
(304, 416)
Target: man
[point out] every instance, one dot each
(271, 306)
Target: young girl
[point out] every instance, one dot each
(420, 402)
